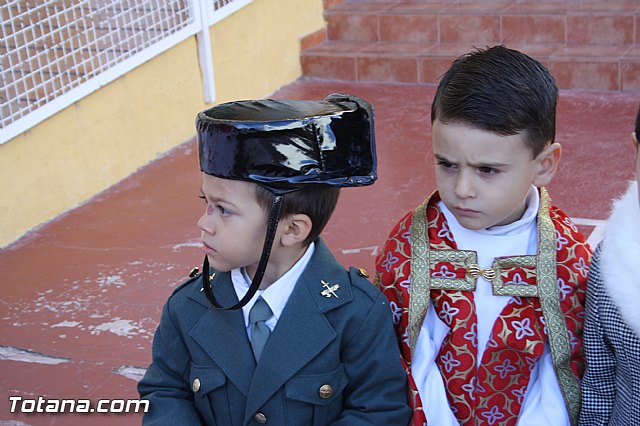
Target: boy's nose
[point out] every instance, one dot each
(205, 224)
(464, 187)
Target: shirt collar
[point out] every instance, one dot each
(277, 294)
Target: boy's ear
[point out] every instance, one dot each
(296, 229)
(547, 164)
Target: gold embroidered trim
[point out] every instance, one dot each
(558, 334)
(519, 290)
(419, 294)
(458, 258)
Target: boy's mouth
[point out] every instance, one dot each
(465, 212)
(207, 248)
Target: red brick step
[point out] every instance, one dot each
(587, 45)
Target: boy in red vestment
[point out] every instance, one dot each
(486, 279)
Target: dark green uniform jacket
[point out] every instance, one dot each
(330, 360)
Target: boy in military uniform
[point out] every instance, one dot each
(278, 334)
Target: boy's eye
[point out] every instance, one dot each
(488, 170)
(446, 165)
(213, 207)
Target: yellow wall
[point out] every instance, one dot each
(106, 136)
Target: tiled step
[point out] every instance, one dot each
(590, 45)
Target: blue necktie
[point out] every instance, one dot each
(259, 313)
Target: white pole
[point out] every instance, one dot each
(205, 55)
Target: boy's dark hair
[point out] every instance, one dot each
(316, 201)
(502, 91)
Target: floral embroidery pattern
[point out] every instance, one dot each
(582, 267)
(406, 283)
(523, 328)
(396, 312)
(472, 335)
(493, 415)
(449, 362)
(444, 272)
(519, 394)
(561, 241)
(470, 388)
(389, 261)
(407, 236)
(565, 289)
(447, 313)
(532, 361)
(445, 232)
(570, 224)
(517, 280)
(505, 368)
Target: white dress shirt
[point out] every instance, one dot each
(276, 295)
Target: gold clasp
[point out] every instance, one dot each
(487, 273)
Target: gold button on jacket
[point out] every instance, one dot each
(260, 418)
(325, 391)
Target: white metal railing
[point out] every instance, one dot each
(55, 52)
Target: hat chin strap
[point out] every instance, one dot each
(274, 218)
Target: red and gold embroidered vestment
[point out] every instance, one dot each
(420, 268)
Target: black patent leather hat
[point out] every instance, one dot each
(284, 144)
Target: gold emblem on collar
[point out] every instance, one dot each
(329, 290)
(210, 280)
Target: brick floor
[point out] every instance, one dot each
(82, 295)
